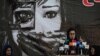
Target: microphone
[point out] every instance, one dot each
(66, 48)
(81, 47)
(61, 50)
(73, 43)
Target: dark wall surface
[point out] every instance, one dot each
(87, 19)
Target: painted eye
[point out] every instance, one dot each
(29, 16)
(50, 14)
(23, 16)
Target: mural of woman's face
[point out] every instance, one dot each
(46, 19)
(48, 16)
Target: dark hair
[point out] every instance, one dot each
(40, 2)
(5, 48)
(71, 29)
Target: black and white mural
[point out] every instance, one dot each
(37, 24)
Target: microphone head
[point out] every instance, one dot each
(86, 46)
(66, 46)
(72, 44)
(78, 42)
(81, 46)
(61, 48)
(84, 43)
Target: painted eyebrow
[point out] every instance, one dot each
(50, 6)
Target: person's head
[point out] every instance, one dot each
(92, 51)
(7, 51)
(71, 33)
